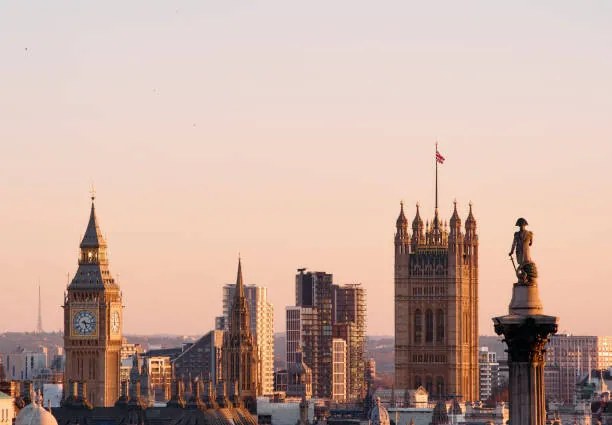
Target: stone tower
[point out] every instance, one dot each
(240, 363)
(436, 305)
(93, 321)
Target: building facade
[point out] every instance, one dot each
(312, 329)
(262, 328)
(339, 368)
(349, 317)
(24, 365)
(436, 306)
(201, 359)
(489, 373)
(325, 311)
(240, 363)
(93, 321)
(570, 357)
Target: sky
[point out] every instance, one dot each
(289, 132)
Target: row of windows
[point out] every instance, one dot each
(429, 271)
(428, 290)
(428, 358)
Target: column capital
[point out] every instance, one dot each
(526, 336)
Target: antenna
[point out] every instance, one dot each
(39, 326)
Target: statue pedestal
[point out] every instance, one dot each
(526, 331)
(525, 300)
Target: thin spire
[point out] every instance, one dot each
(39, 326)
(239, 281)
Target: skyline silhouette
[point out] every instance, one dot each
(290, 133)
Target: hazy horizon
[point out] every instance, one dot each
(290, 133)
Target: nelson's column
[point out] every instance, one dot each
(93, 321)
(526, 330)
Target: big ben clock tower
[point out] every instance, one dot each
(93, 321)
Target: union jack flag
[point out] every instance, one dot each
(439, 157)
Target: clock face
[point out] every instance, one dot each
(114, 322)
(84, 322)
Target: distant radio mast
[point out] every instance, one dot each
(39, 326)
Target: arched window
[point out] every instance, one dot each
(429, 327)
(440, 386)
(440, 325)
(418, 326)
(417, 381)
(428, 384)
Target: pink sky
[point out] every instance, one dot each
(290, 132)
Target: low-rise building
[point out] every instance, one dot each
(7, 409)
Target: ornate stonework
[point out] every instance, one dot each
(436, 306)
(93, 321)
(240, 363)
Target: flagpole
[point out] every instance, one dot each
(436, 159)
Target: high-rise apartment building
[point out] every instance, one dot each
(489, 372)
(313, 298)
(436, 305)
(325, 311)
(93, 321)
(262, 328)
(349, 318)
(570, 357)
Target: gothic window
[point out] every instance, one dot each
(429, 384)
(440, 325)
(440, 386)
(418, 326)
(417, 381)
(429, 327)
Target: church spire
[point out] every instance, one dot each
(240, 322)
(239, 281)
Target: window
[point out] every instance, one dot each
(429, 326)
(428, 384)
(440, 325)
(440, 386)
(418, 326)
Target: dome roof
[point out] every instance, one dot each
(379, 415)
(34, 414)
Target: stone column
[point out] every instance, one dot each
(526, 337)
